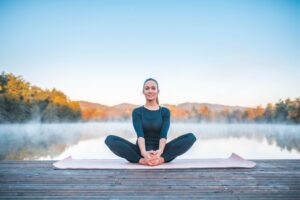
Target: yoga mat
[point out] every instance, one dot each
(234, 161)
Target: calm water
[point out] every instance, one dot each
(86, 140)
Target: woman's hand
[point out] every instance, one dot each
(157, 153)
(150, 157)
(145, 154)
(153, 158)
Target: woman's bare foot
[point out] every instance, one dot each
(161, 160)
(157, 161)
(151, 162)
(142, 161)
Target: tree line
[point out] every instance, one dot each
(22, 102)
(284, 111)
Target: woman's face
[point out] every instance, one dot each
(150, 90)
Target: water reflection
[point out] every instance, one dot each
(86, 140)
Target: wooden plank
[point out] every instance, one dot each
(270, 179)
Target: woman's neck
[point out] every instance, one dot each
(151, 104)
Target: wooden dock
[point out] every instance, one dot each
(270, 179)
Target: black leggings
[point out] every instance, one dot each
(132, 153)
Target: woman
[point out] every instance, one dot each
(151, 123)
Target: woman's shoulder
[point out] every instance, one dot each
(137, 110)
(165, 110)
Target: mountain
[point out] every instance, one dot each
(211, 107)
(96, 111)
(90, 105)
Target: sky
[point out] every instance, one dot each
(244, 53)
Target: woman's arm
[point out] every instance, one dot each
(137, 124)
(164, 131)
(162, 144)
(166, 124)
(141, 143)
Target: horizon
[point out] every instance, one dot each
(229, 53)
(187, 102)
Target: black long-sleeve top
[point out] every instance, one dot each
(151, 124)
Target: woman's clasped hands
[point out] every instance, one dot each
(153, 158)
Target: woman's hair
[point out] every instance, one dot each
(152, 79)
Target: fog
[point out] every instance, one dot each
(34, 141)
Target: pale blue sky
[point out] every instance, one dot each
(228, 52)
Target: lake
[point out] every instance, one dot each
(86, 140)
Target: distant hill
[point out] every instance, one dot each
(212, 107)
(90, 105)
(96, 111)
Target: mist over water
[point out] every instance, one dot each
(35, 141)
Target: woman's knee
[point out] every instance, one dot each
(191, 137)
(110, 139)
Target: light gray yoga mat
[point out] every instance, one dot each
(234, 161)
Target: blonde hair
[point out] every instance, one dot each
(152, 79)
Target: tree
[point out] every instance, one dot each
(281, 111)
(269, 113)
(21, 102)
(259, 113)
(204, 113)
(249, 114)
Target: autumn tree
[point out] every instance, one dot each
(21, 102)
